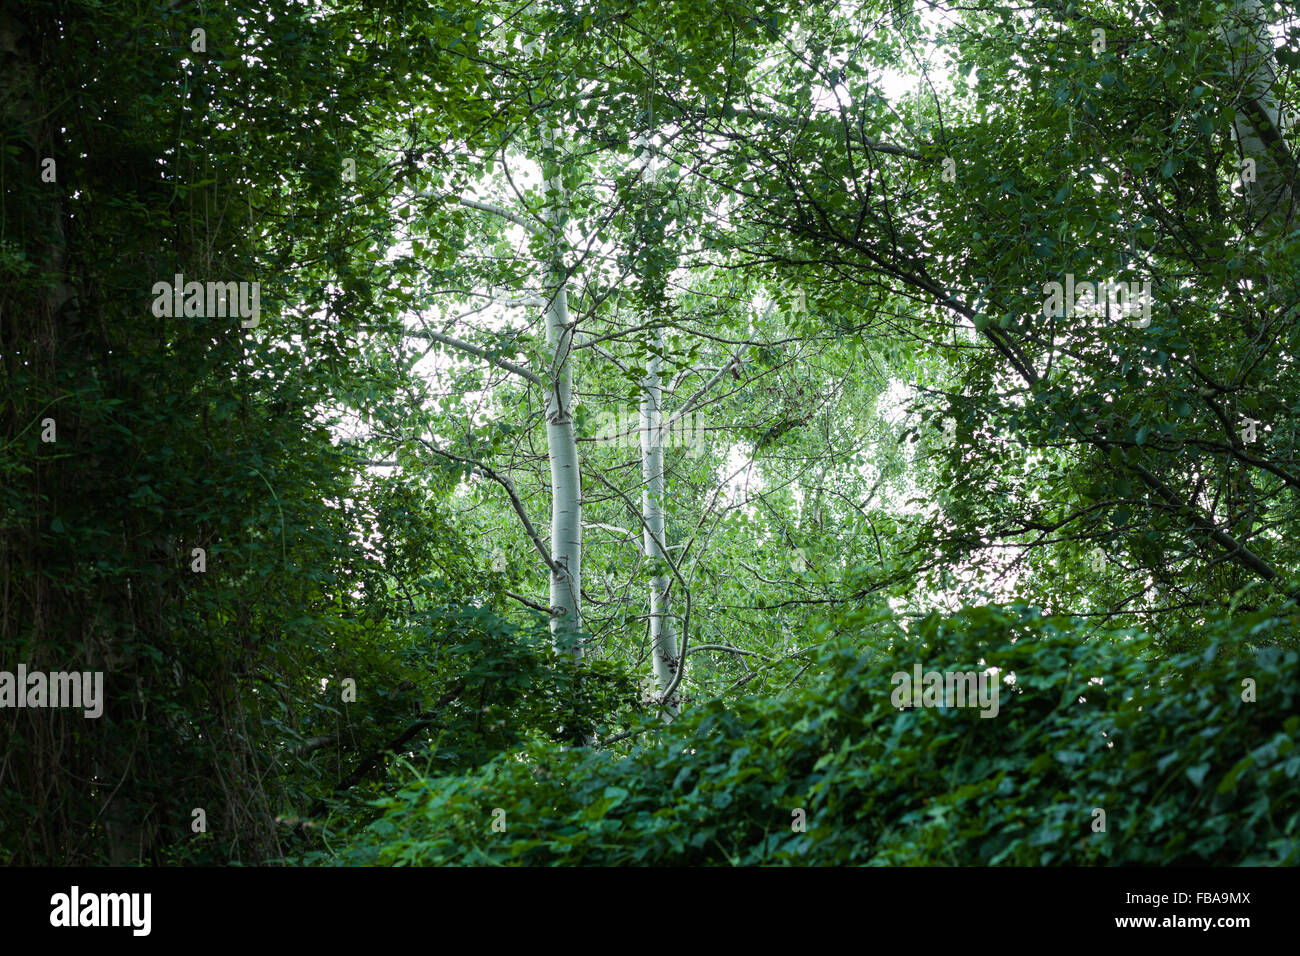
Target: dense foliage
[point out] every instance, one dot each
(1185, 770)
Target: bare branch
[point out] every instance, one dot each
(488, 208)
(462, 346)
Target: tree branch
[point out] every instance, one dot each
(463, 346)
(363, 768)
(505, 483)
(488, 208)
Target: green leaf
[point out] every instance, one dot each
(1230, 778)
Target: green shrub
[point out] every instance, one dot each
(1186, 770)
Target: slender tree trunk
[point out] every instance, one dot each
(663, 640)
(562, 445)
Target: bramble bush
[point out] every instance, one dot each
(1187, 768)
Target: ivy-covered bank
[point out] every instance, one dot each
(1099, 754)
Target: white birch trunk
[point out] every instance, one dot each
(562, 445)
(1257, 124)
(663, 640)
